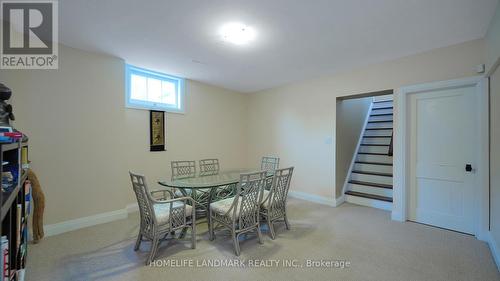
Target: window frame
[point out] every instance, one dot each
(148, 105)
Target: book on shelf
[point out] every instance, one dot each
(27, 198)
(5, 258)
(19, 215)
(25, 164)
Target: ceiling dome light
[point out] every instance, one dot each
(237, 33)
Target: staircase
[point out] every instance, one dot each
(369, 182)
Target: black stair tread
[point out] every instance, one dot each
(387, 186)
(372, 173)
(373, 153)
(372, 129)
(368, 144)
(385, 107)
(371, 137)
(373, 163)
(381, 114)
(381, 121)
(379, 101)
(370, 196)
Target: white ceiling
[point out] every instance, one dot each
(297, 39)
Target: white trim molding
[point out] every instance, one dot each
(70, 225)
(316, 198)
(401, 148)
(495, 251)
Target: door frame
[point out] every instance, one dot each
(401, 180)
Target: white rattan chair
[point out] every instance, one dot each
(273, 207)
(209, 167)
(161, 216)
(240, 213)
(269, 163)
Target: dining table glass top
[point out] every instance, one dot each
(206, 181)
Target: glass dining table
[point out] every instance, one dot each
(205, 189)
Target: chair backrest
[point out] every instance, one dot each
(183, 169)
(209, 167)
(269, 163)
(249, 191)
(279, 192)
(143, 200)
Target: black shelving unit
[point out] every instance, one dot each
(14, 211)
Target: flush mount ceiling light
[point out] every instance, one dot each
(237, 33)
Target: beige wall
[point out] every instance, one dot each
(351, 116)
(83, 140)
(294, 121)
(492, 40)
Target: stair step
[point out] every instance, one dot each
(371, 137)
(370, 196)
(381, 101)
(372, 173)
(367, 144)
(385, 107)
(387, 192)
(374, 158)
(372, 153)
(381, 114)
(375, 129)
(380, 121)
(388, 186)
(373, 163)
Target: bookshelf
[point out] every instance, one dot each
(15, 210)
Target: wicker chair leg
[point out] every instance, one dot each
(154, 248)
(211, 233)
(193, 235)
(138, 242)
(287, 224)
(271, 228)
(236, 243)
(259, 235)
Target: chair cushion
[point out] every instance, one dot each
(222, 206)
(162, 211)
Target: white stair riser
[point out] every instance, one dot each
(370, 190)
(381, 118)
(373, 168)
(383, 104)
(374, 158)
(379, 125)
(387, 132)
(374, 149)
(371, 178)
(376, 140)
(381, 111)
(369, 202)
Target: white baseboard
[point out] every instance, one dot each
(495, 251)
(70, 225)
(131, 208)
(316, 198)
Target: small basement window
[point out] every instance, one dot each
(146, 89)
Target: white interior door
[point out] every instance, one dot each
(443, 141)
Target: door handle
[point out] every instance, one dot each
(468, 167)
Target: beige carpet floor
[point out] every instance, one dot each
(376, 247)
